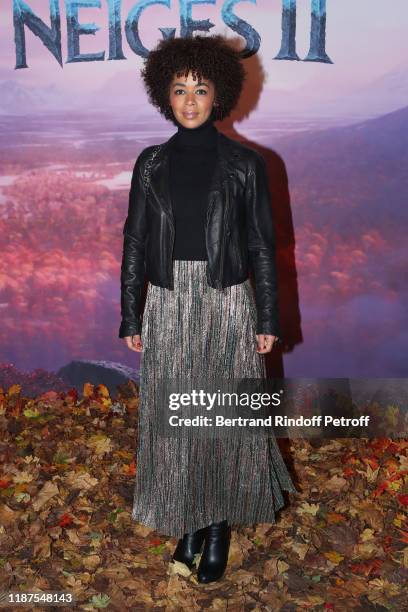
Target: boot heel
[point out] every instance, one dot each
(188, 546)
(215, 554)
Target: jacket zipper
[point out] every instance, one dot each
(171, 219)
(223, 237)
(171, 258)
(209, 210)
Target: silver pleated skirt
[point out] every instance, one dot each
(185, 483)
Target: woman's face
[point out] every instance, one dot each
(191, 100)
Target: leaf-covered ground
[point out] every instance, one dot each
(67, 466)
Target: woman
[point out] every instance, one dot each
(199, 219)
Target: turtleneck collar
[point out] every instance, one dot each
(203, 136)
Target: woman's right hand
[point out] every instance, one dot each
(134, 343)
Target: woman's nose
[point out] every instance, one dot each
(190, 98)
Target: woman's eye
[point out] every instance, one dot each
(176, 91)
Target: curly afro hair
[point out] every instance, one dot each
(208, 57)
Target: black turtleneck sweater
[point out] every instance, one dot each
(192, 163)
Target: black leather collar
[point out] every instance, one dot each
(228, 152)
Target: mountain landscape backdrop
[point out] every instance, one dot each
(334, 137)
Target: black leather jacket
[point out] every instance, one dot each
(239, 232)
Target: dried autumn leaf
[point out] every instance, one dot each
(123, 454)
(370, 474)
(338, 591)
(270, 568)
(403, 500)
(336, 483)
(365, 550)
(74, 585)
(100, 601)
(368, 513)
(300, 549)
(236, 554)
(133, 584)
(404, 536)
(100, 443)
(307, 508)
(334, 557)
(65, 520)
(176, 567)
(366, 568)
(80, 480)
(174, 586)
(42, 548)
(334, 517)
(395, 485)
(383, 486)
(367, 534)
(282, 566)
(243, 577)
(22, 477)
(30, 459)
(91, 562)
(21, 496)
(219, 604)
(48, 491)
(391, 465)
(7, 515)
(316, 600)
(381, 590)
(73, 536)
(142, 530)
(140, 561)
(348, 472)
(130, 469)
(403, 461)
(398, 520)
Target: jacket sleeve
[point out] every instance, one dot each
(261, 247)
(133, 257)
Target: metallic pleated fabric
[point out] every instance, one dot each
(185, 483)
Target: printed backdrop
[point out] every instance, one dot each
(334, 136)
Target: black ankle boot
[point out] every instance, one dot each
(215, 554)
(188, 546)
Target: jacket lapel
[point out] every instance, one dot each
(160, 175)
(160, 178)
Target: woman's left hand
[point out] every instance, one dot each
(265, 343)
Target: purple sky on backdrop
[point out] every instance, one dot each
(365, 39)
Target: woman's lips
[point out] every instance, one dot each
(190, 115)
